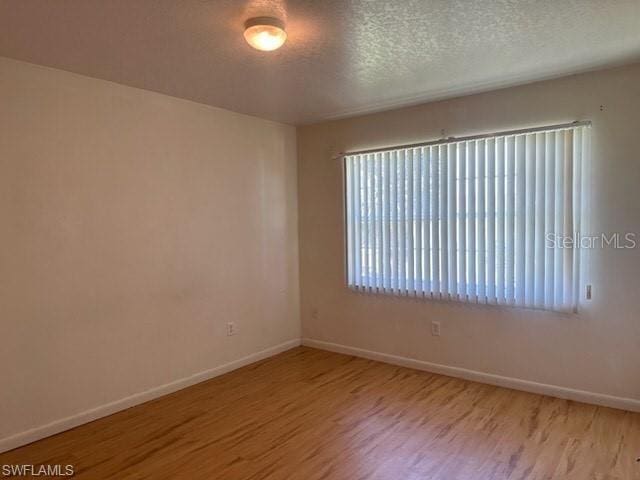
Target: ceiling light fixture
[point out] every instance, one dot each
(264, 33)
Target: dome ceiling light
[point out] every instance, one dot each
(265, 33)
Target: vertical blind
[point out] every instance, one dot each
(470, 220)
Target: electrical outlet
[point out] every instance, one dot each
(588, 292)
(435, 329)
(315, 313)
(231, 329)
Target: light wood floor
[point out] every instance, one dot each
(308, 414)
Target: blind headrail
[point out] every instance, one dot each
(463, 139)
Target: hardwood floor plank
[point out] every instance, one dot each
(310, 414)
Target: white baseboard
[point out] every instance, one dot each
(23, 438)
(481, 377)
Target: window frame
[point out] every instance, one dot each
(578, 280)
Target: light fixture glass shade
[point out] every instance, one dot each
(265, 33)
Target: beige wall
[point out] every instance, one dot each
(134, 226)
(597, 350)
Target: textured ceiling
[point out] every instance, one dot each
(342, 56)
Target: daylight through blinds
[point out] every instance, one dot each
(469, 220)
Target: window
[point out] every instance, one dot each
(470, 219)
